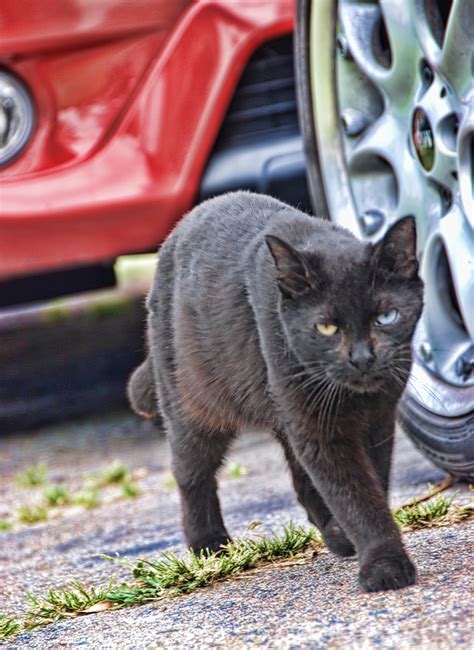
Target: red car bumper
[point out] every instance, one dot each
(129, 99)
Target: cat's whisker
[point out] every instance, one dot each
(315, 398)
(381, 442)
(404, 381)
(320, 370)
(332, 411)
(324, 408)
(431, 391)
(304, 386)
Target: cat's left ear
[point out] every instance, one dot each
(292, 275)
(396, 252)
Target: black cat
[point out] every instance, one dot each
(263, 316)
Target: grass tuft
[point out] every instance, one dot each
(62, 603)
(5, 525)
(114, 474)
(56, 495)
(88, 497)
(130, 490)
(170, 482)
(33, 476)
(32, 514)
(168, 576)
(236, 470)
(439, 511)
(171, 575)
(9, 626)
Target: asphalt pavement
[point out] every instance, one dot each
(317, 604)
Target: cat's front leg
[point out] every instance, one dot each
(380, 447)
(346, 478)
(317, 511)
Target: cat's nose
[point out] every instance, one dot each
(361, 356)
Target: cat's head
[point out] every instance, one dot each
(349, 308)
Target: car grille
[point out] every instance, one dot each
(265, 101)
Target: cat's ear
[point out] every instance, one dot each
(396, 252)
(292, 275)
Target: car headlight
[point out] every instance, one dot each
(16, 117)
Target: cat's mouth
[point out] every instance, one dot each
(364, 384)
(361, 384)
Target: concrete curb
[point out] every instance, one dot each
(69, 357)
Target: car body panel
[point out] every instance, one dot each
(125, 124)
(30, 26)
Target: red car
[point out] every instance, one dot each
(117, 115)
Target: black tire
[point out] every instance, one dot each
(447, 442)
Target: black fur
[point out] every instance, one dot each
(141, 390)
(242, 282)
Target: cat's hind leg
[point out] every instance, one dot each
(318, 513)
(197, 455)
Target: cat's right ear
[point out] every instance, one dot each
(292, 275)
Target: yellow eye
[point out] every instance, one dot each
(326, 329)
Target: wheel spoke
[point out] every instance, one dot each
(418, 198)
(359, 23)
(449, 295)
(458, 48)
(384, 45)
(429, 46)
(459, 244)
(385, 138)
(404, 47)
(466, 166)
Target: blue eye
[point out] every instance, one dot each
(389, 318)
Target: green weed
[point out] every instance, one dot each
(33, 476)
(9, 626)
(56, 312)
(5, 525)
(115, 473)
(32, 514)
(88, 497)
(56, 495)
(170, 482)
(169, 576)
(439, 510)
(236, 470)
(130, 490)
(59, 603)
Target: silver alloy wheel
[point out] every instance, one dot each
(392, 92)
(393, 96)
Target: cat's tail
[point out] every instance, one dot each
(141, 390)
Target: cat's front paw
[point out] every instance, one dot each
(213, 544)
(336, 540)
(385, 573)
